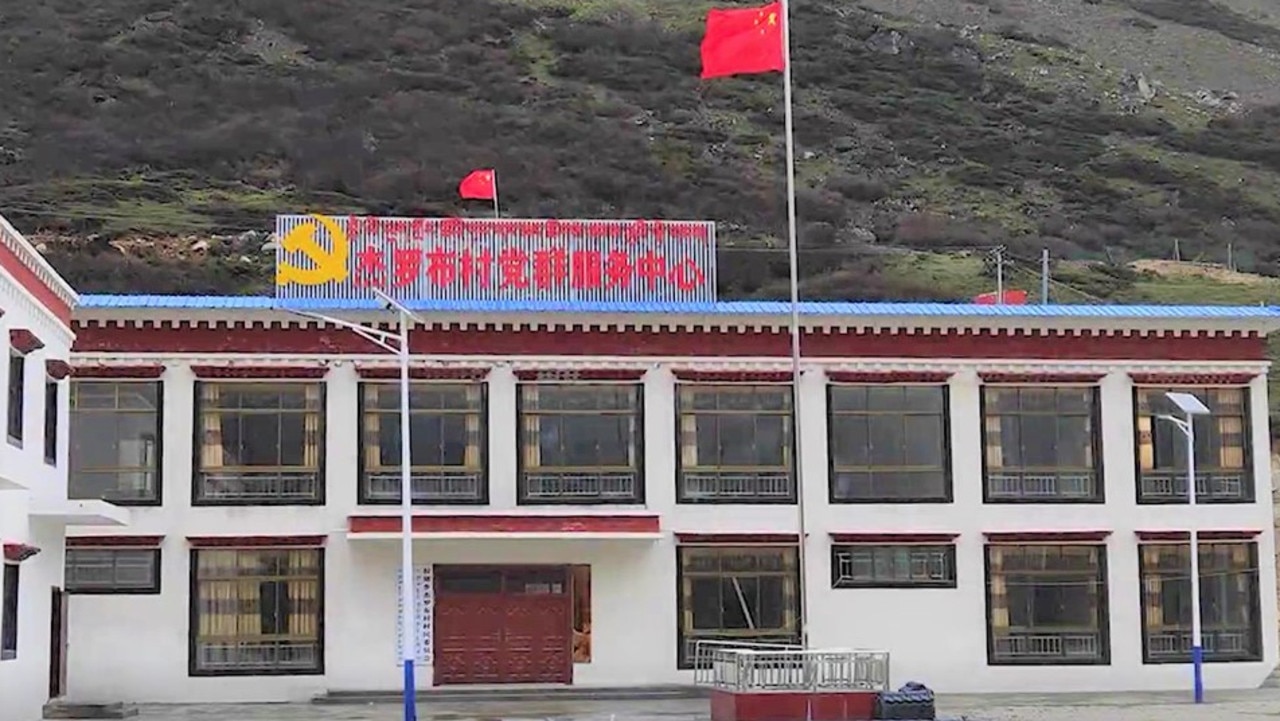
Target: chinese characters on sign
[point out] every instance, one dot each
(327, 258)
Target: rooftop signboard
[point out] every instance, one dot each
(340, 259)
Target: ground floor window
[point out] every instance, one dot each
(745, 593)
(1047, 604)
(1231, 628)
(257, 611)
(9, 613)
(113, 570)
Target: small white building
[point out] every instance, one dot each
(35, 327)
(988, 495)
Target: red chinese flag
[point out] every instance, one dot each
(742, 40)
(478, 185)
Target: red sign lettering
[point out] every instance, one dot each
(550, 268)
(407, 266)
(442, 266)
(371, 268)
(651, 268)
(478, 267)
(618, 269)
(513, 266)
(588, 269)
(686, 275)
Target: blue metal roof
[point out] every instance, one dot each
(743, 307)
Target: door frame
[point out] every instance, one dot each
(57, 642)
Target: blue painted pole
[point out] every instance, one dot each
(410, 703)
(1197, 665)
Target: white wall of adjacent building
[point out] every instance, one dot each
(27, 484)
(938, 636)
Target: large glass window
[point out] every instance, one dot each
(1223, 472)
(1231, 627)
(446, 442)
(260, 443)
(581, 443)
(739, 594)
(735, 443)
(17, 396)
(1047, 604)
(888, 443)
(115, 441)
(257, 611)
(908, 565)
(1041, 444)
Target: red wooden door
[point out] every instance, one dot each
(502, 626)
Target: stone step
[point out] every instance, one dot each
(70, 710)
(516, 693)
(1272, 681)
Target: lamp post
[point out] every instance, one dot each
(1192, 407)
(397, 343)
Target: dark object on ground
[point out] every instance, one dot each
(913, 701)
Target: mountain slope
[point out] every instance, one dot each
(133, 130)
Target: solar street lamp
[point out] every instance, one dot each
(1192, 407)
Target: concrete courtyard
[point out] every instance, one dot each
(1254, 705)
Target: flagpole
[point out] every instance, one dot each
(495, 193)
(793, 254)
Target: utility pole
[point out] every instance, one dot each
(1044, 277)
(1177, 250)
(1231, 260)
(998, 252)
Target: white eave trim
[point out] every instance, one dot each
(80, 513)
(507, 536)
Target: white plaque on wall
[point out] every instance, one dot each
(423, 607)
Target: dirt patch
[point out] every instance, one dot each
(1209, 271)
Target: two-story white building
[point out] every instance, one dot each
(986, 492)
(35, 327)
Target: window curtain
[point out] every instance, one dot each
(532, 427)
(303, 589)
(1152, 587)
(249, 592)
(994, 444)
(216, 589)
(1229, 402)
(1146, 442)
(211, 452)
(475, 400)
(999, 590)
(372, 428)
(689, 440)
(312, 442)
(1242, 570)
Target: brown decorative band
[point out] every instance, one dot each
(138, 372)
(280, 372)
(586, 374)
(1047, 536)
(256, 541)
(895, 538)
(24, 341)
(733, 376)
(423, 373)
(1040, 377)
(114, 541)
(1192, 379)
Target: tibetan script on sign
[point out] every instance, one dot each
(455, 259)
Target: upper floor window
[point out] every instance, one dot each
(51, 403)
(1230, 602)
(17, 396)
(581, 443)
(115, 441)
(257, 611)
(1223, 472)
(1041, 444)
(446, 442)
(1047, 604)
(735, 443)
(888, 443)
(259, 443)
(113, 570)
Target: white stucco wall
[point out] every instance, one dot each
(26, 481)
(935, 636)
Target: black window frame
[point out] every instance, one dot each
(637, 445)
(10, 598)
(315, 476)
(1095, 447)
(155, 473)
(194, 669)
(1211, 480)
(1102, 610)
(52, 399)
(1211, 631)
(835, 469)
(686, 638)
(914, 553)
(368, 444)
(17, 392)
(152, 588)
(789, 446)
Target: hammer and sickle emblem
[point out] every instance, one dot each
(329, 265)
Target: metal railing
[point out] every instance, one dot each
(1078, 647)
(245, 486)
(766, 668)
(580, 487)
(1219, 644)
(1171, 487)
(449, 486)
(736, 486)
(1006, 485)
(258, 656)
